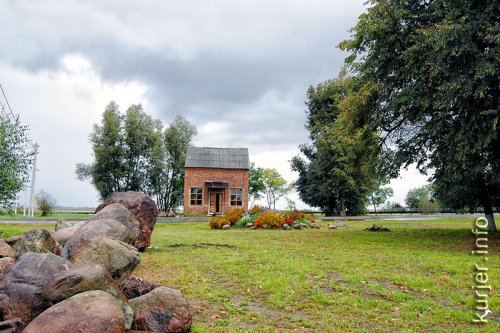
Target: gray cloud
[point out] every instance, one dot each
(243, 64)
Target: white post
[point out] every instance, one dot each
(33, 178)
(25, 198)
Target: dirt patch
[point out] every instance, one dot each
(202, 309)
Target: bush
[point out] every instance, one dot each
(217, 222)
(244, 220)
(234, 215)
(428, 207)
(256, 210)
(270, 219)
(46, 203)
(298, 217)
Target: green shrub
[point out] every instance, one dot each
(244, 220)
(428, 207)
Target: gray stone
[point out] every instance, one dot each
(135, 287)
(297, 226)
(119, 258)
(142, 207)
(62, 235)
(286, 227)
(22, 285)
(38, 241)
(87, 312)
(332, 226)
(5, 264)
(226, 227)
(12, 240)
(161, 310)
(315, 225)
(62, 223)
(5, 249)
(249, 225)
(114, 221)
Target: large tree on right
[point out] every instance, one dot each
(436, 67)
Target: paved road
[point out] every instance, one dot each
(205, 219)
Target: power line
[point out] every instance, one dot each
(7, 101)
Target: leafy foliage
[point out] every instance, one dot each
(275, 186)
(217, 222)
(415, 196)
(234, 215)
(435, 66)
(380, 195)
(15, 158)
(269, 219)
(338, 168)
(256, 186)
(133, 152)
(45, 202)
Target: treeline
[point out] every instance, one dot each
(420, 85)
(134, 152)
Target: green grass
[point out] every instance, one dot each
(57, 215)
(416, 278)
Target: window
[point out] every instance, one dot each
(196, 196)
(236, 197)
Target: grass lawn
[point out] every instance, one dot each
(416, 278)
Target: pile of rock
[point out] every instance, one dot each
(77, 279)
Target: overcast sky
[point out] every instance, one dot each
(238, 70)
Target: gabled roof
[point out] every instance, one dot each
(224, 158)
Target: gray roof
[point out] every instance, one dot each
(224, 158)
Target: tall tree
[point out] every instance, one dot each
(16, 153)
(339, 169)
(436, 66)
(256, 186)
(416, 196)
(133, 152)
(379, 196)
(275, 186)
(108, 172)
(167, 175)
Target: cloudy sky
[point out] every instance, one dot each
(238, 70)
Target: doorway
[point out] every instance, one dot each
(216, 201)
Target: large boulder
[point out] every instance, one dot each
(77, 279)
(22, 285)
(62, 223)
(144, 210)
(5, 264)
(38, 241)
(5, 249)
(88, 312)
(135, 287)
(82, 278)
(114, 221)
(62, 235)
(119, 258)
(12, 240)
(161, 310)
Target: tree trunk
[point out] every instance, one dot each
(375, 209)
(342, 204)
(488, 211)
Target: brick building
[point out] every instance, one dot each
(215, 180)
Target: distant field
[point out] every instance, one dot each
(416, 278)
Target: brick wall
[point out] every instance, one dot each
(196, 177)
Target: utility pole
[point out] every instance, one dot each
(25, 198)
(33, 178)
